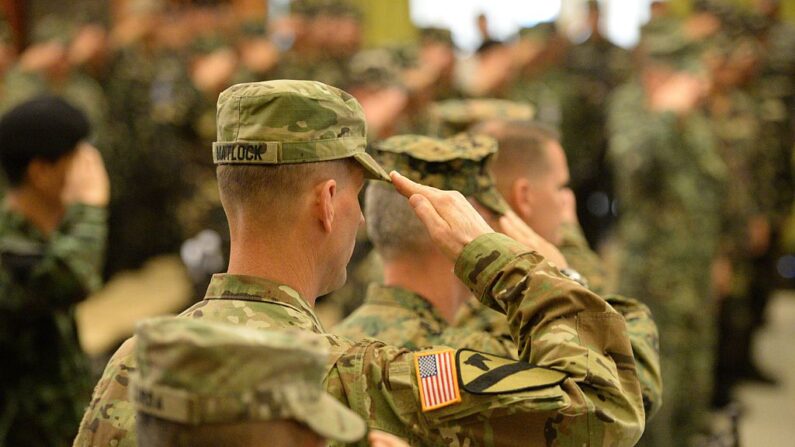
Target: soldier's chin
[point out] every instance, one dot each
(338, 283)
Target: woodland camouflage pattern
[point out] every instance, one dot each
(41, 279)
(197, 372)
(574, 331)
(460, 163)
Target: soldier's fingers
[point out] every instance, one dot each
(427, 214)
(408, 187)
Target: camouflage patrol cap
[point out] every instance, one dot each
(458, 163)
(665, 42)
(288, 122)
(457, 115)
(198, 372)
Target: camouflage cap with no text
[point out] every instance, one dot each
(198, 372)
(459, 163)
(287, 121)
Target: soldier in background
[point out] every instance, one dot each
(327, 35)
(734, 114)
(52, 243)
(541, 80)
(774, 89)
(670, 185)
(595, 68)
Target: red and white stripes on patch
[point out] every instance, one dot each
(436, 375)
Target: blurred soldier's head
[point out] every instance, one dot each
(672, 60)
(38, 140)
(531, 172)
(375, 82)
(291, 162)
(336, 27)
(211, 384)
(459, 163)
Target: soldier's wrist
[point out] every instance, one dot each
(484, 258)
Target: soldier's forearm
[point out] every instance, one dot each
(73, 261)
(556, 323)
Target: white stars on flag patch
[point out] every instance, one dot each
(437, 378)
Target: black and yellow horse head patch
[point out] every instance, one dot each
(482, 373)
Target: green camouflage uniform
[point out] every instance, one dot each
(547, 87)
(670, 184)
(45, 385)
(202, 373)
(593, 399)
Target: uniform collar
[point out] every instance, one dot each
(404, 299)
(225, 286)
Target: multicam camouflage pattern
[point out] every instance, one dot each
(457, 115)
(41, 279)
(286, 121)
(199, 372)
(572, 330)
(474, 318)
(459, 163)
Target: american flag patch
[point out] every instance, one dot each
(436, 375)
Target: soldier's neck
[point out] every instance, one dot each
(44, 214)
(278, 259)
(431, 278)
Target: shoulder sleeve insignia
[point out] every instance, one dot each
(436, 376)
(482, 373)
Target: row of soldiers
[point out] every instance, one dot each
(709, 108)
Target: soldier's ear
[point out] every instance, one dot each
(521, 198)
(325, 193)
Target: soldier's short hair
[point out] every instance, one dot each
(276, 187)
(46, 128)
(392, 225)
(523, 149)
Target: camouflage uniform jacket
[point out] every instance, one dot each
(643, 334)
(46, 386)
(400, 317)
(556, 323)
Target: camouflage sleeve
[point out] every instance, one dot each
(645, 342)
(580, 257)
(69, 265)
(110, 415)
(77, 249)
(556, 324)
